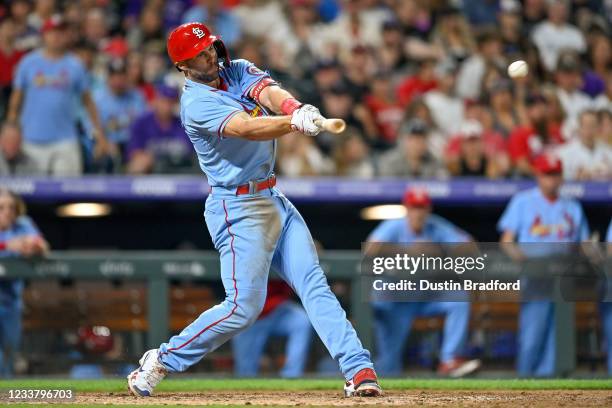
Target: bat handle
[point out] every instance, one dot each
(331, 125)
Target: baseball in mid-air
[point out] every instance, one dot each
(518, 69)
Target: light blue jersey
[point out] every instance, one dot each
(205, 111)
(117, 112)
(609, 234)
(534, 218)
(436, 229)
(51, 89)
(253, 232)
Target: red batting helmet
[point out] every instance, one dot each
(190, 39)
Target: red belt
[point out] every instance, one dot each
(254, 186)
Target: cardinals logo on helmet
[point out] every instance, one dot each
(198, 32)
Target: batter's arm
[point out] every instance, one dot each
(258, 128)
(272, 97)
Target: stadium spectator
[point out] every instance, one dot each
(474, 153)
(556, 34)
(605, 126)
(263, 18)
(280, 317)
(411, 157)
(417, 22)
(359, 23)
(9, 57)
(453, 35)
(527, 142)
(220, 20)
(360, 70)
(19, 237)
(504, 110)
(149, 32)
(158, 142)
(95, 27)
(13, 161)
(489, 55)
(338, 103)
(587, 157)
(47, 84)
(352, 156)
(298, 156)
(540, 215)
(384, 108)
(422, 81)
(600, 62)
(437, 139)
(391, 55)
(445, 106)
(511, 30)
(569, 82)
(118, 105)
(43, 10)
(26, 36)
(604, 101)
(393, 319)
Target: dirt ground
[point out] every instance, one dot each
(412, 398)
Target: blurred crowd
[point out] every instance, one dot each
(86, 85)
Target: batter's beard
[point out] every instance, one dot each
(204, 77)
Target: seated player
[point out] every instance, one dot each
(18, 237)
(393, 320)
(280, 317)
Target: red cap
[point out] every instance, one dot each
(547, 164)
(188, 40)
(416, 197)
(52, 23)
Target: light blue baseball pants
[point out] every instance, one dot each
(252, 233)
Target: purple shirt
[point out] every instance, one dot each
(170, 143)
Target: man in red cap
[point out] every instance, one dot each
(233, 113)
(42, 109)
(540, 215)
(393, 320)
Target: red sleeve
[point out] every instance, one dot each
(453, 147)
(517, 144)
(2, 246)
(259, 86)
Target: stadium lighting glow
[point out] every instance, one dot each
(383, 212)
(84, 210)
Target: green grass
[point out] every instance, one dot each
(196, 384)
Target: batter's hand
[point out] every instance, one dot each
(304, 118)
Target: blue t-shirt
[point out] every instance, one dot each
(205, 111)
(10, 290)
(609, 233)
(117, 112)
(436, 229)
(52, 90)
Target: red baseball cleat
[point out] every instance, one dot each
(363, 384)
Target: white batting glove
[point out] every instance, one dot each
(304, 118)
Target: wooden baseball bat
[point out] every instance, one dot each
(332, 125)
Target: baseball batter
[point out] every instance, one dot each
(233, 113)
